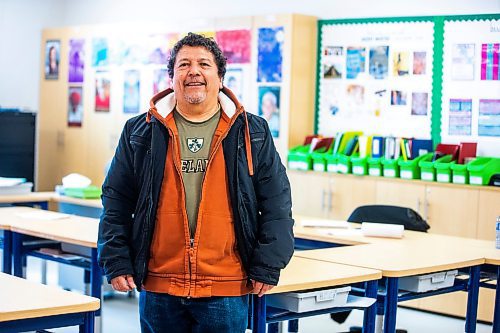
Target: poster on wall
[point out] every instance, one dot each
(161, 80)
(270, 54)
(234, 81)
(376, 78)
(100, 56)
(102, 91)
(471, 84)
(76, 60)
(269, 107)
(235, 44)
(75, 106)
(158, 48)
(131, 91)
(52, 58)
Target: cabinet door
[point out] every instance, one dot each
(489, 209)
(399, 193)
(310, 193)
(452, 211)
(348, 193)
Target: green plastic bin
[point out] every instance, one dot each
(89, 192)
(331, 162)
(299, 158)
(409, 169)
(428, 168)
(359, 165)
(459, 174)
(443, 169)
(481, 170)
(374, 166)
(319, 160)
(344, 164)
(390, 168)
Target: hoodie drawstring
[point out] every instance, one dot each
(248, 146)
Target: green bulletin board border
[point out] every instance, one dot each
(437, 75)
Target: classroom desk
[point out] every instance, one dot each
(410, 258)
(33, 198)
(303, 274)
(29, 306)
(74, 230)
(94, 203)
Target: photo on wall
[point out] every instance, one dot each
(76, 60)
(398, 97)
(102, 91)
(100, 56)
(270, 54)
(355, 61)
(269, 108)
(490, 55)
(75, 106)
(400, 63)
(52, 59)
(379, 62)
(489, 117)
(131, 91)
(460, 119)
(419, 103)
(158, 48)
(161, 80)
(234, 81)
(419, 63)
(235, 44)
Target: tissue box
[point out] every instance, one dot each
(310, 300)
(426, 282)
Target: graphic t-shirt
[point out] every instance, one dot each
(195, 141)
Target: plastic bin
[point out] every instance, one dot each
(459, 173)
(443, 169)
(319, 160)
(428, 169)
(309, 300)
(427, 282)
(344, 164)
(481, 170)
(331, 162)
(359, 165)
(390, 168)
(409, 169)
(89, 192)
(299, 158)
(374, 166)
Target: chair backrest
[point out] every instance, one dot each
(390, 214)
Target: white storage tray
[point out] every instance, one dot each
(16, 189)
(310, 300)
(427, 282)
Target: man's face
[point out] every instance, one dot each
(196, 77)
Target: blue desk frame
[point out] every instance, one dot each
(85, 321)
(262, 315)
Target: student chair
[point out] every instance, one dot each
(410, 219)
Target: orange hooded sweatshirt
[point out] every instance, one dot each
(210, 266)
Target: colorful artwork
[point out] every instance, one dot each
(131, 91)
(398, 97)
(490, 54)
(158, 48)
(102, 91)
(130, 52)
(419, 103)
(355, 61)
(379, 62)
(462, 62)
(52, 58)
(76, 60)
(75, 106)
(419, 63)
(460, 119)
(236, 45)
(400, 63)
(333, 58)
(161, 80)
(234, 81)
(270, 54)
(269, 108)
(489, 117)
(100, 52)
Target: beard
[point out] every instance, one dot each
(195, 97)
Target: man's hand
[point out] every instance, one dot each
(123, 283)
(260, 288)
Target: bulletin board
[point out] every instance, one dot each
(387, 76)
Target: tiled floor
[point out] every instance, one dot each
(120, 315)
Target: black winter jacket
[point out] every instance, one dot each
(261, 203)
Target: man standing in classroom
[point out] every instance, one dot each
(197, 204)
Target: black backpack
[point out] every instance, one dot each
(390, 214)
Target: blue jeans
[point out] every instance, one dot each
(163, 313)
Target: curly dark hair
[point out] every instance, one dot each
(193, 39)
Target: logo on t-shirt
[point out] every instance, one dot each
(194, 144)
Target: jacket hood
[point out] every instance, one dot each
(163, 103)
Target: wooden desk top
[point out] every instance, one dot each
(95, 203)
(345, 236)
(73, 229)
(28, 197)
(22, 299)
(402, 259)
(302, 274)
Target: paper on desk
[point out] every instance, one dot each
(4, 182)
(359, 302)
(43, 215)
(340, 232)
(382, 230)
(324, 223)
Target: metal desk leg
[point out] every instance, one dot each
(88, 323)
(472, 299)
(371, 288)
(259, 314)
(95, 279)
(391, 305)
(7, 252)
(17, 258)
(496, 316)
